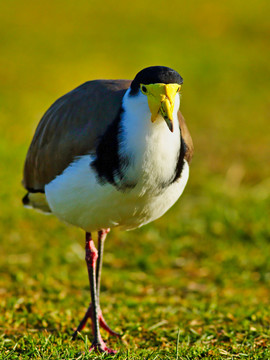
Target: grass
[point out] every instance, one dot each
(206, 282)
(194, 284)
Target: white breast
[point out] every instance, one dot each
(77, 197)
(153, 148)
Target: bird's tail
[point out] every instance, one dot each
(36, 200)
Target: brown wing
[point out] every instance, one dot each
(70, 128)
(186, 136)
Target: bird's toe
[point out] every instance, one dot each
(100, 346)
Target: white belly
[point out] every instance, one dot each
(78, 198)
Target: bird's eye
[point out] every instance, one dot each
(143, 89)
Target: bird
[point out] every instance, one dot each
(110, 153)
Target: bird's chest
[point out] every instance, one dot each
(137, 209)
(77, 197)
(136, 192)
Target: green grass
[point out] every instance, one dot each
(194, 284)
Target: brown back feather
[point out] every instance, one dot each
(187, 137)
(70, 128)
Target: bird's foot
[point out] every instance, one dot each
(100, 346)
(105, 326)
(102, 323)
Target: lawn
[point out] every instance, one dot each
(195, 283)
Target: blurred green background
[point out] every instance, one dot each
(204, 266)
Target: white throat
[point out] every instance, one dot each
(153, 148)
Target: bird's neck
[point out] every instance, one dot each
(136, 153)
(151, 150)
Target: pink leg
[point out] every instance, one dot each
(102, 323)
(94, 312)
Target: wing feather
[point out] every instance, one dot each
(187, 137)
(70, 128)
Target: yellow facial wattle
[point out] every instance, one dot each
(161, 99)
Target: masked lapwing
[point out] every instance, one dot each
(110, 153)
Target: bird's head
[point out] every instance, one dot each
(161, 85)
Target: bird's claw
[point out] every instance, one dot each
(102, 323)
(100, 346)
(106, 327)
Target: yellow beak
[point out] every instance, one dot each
(161, 99)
